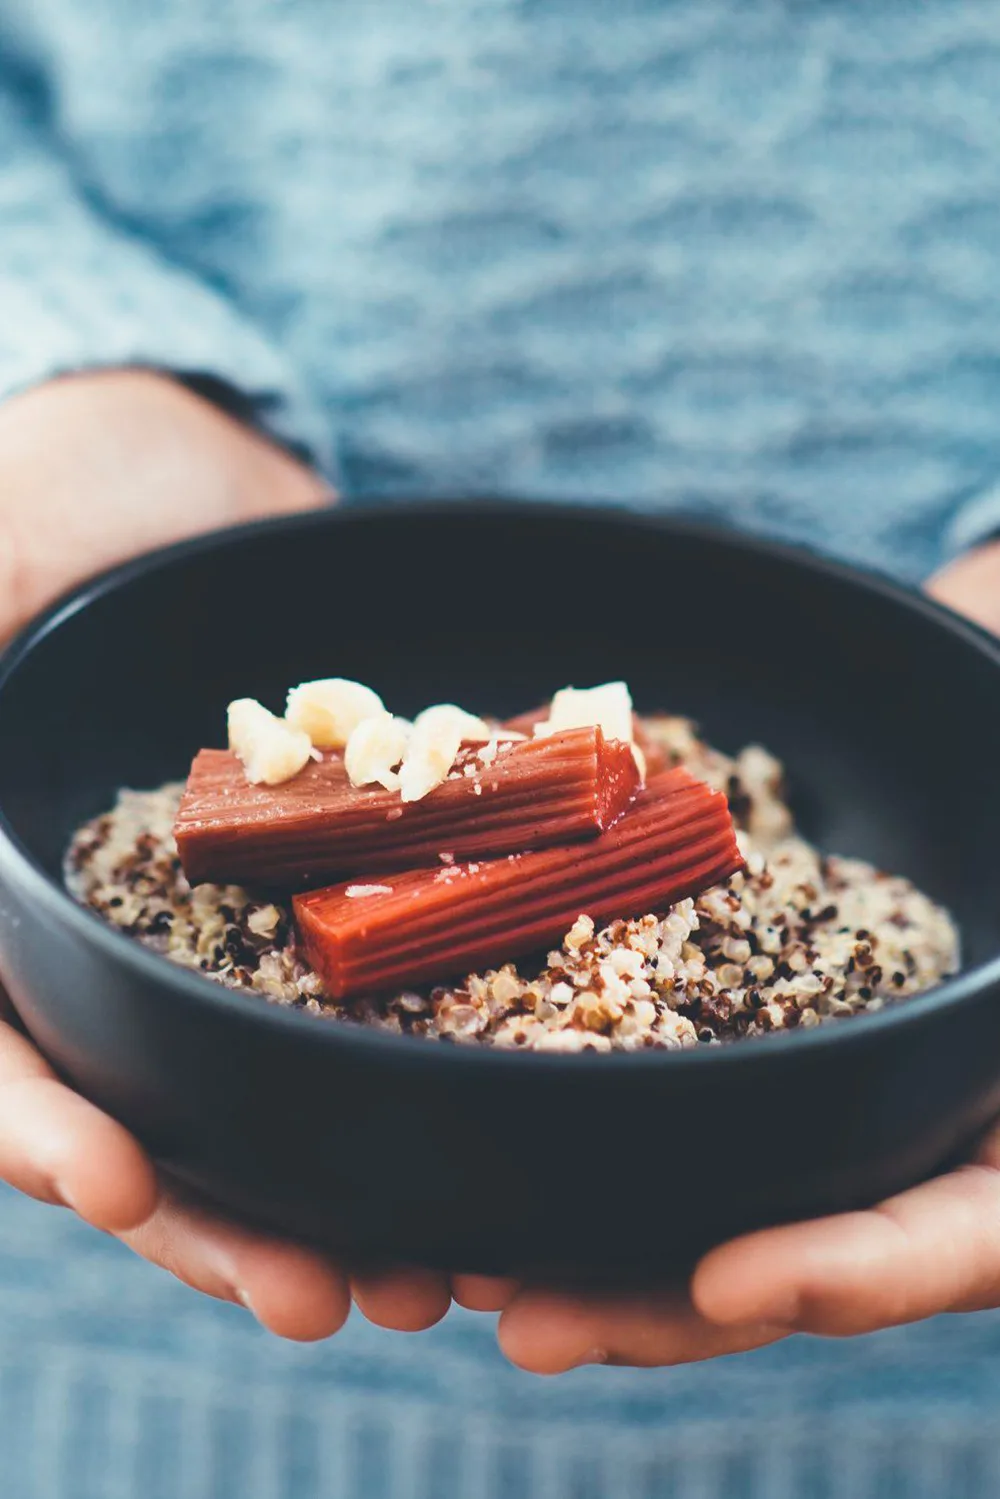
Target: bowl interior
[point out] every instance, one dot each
(886, 712)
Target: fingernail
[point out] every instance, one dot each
(243, 1297)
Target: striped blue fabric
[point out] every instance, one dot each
(116, 1383)
(740, 259)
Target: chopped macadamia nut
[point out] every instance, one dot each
(271, 752)
(330, 710)
(472, 730)
(264, 921)
(609, 707)
(438, 735)
(375, 749)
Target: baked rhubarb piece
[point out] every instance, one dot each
(499, 798)
(676, 841)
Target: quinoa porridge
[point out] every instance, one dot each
(797, 939)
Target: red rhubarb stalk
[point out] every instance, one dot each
(318, 827)
(677, 841)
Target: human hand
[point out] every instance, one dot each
(933, 1249)
(96, 468)
(92, 470)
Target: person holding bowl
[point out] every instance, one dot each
(263, 228)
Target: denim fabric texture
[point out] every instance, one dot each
(739, 259)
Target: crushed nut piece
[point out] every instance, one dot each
(269, 750)
(437, 736)
(609, 706)
(330, 710)
(264, 922)
(375, 749)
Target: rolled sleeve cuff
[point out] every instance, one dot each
(136, 312)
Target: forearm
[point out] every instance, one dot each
(97, 467)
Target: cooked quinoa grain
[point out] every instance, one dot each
(799, 939)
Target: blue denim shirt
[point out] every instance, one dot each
(742, 259)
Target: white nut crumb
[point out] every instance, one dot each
(375, 749)
(472, 730)
(270, 751)
(438, 735)
(488, 753)
(330, 710)
(608, 707)
(356, 892)
(264, 922)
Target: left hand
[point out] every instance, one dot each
(933, 1249)
(93, 469)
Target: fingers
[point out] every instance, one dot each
(405, 1300)
(483, 1293)
(930, 1250)
(549, 1333)
(294, 1292)
(60, 1149)
(411, 1300)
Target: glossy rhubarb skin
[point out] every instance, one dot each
(318, 827)
(677, 840)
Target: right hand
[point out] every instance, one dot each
(94, 469)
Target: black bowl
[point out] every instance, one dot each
(886, 709)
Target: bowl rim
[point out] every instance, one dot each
(201, 992)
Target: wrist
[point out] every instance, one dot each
(971, 585)
(97, 467)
